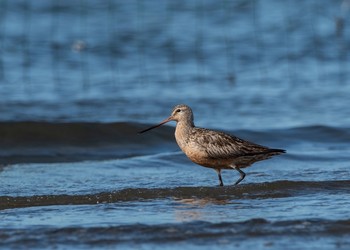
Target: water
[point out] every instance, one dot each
(80, 79)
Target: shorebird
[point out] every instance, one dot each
(214, 149)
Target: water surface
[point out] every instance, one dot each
(80, 79)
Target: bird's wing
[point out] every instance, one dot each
(220, 145)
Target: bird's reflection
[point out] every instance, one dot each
(196, 209)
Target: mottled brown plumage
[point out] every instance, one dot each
(214, 149)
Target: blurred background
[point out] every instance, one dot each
(238, 64)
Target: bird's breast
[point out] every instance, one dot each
(195, 152)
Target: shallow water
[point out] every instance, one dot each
(157, 198)
(75, 174)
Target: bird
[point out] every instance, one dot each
(214, 149)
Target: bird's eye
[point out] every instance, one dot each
(178, 110)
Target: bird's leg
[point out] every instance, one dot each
(242, 175)
(219, 175)
(240, 171)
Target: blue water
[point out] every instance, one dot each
(79, 79)
(235, 63)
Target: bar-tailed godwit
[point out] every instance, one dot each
(214, 149)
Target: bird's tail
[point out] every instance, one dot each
(276, 151)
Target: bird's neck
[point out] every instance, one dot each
(182, 132)
(185, 125)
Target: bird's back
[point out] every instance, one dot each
(208, 147)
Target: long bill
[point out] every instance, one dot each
(158, 125)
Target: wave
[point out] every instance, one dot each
(279, 189)
(64, 142)
(195, 232)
